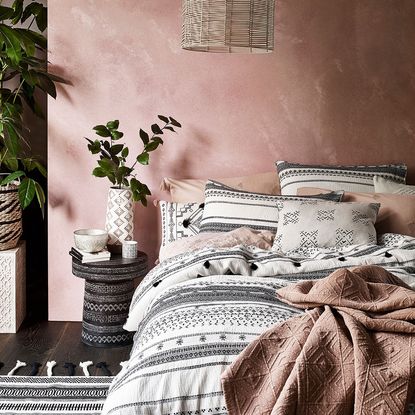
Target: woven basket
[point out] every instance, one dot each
(10, 216)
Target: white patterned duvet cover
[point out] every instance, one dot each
(196, 312)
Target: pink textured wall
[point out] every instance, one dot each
(339, 88)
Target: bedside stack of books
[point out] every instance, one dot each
(86, 257)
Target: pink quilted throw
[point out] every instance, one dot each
(352, 352)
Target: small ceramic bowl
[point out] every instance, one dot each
(90, 240)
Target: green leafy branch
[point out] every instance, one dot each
(113, 155)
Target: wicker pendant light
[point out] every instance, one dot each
(228, 25)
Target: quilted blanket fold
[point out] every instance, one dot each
(352, 353)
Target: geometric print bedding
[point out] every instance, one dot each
(196, 312)
(348, 178)
(227, 209)
(318, 224)
(179, 220)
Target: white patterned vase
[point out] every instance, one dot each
(119, 220)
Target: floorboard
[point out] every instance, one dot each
(59, 341)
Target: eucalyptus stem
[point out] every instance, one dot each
(112, 162)
(150, 140)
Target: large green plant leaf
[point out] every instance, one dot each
(11, 140)
(30, 77)
(18, 10)
(26, 42)
(37, 38)
(12, 42)
(32, 9)
(46, 84)
(41, 169)
(12, 177)
(8, 160)
(27, 190)
(31, 164)
(42, 19)
(41, 198)
(6, 13)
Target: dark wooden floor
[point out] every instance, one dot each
(59, 341)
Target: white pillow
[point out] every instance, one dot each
(389, 186)
(348, 178)
(322, 224)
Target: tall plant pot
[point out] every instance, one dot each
(10, 217)
(119, 220)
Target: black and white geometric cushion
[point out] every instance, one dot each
(179, 220)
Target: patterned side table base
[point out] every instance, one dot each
(105, 311)
(109, 288)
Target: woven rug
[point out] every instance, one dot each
(53, 395)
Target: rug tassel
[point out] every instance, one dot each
(50, 365)
(103, 366)
(84, 366)
(35, 368)
(18, 364)
(124, 364)
(71, 368)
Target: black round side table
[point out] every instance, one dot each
(109, 287)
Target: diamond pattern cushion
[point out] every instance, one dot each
(320, 224)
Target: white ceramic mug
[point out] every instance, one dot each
(129, 249)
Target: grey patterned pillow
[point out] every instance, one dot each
(179, 220)
(320, 224)
(227, 208)
(348, 178)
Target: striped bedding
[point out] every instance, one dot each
(195, 312)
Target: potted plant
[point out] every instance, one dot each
(23, 71)
(126, 188)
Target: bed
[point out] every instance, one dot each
(197, 310)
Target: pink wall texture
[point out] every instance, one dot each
(339, 88)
